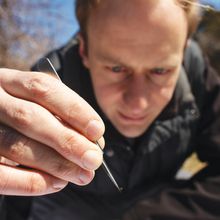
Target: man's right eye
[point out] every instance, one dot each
(117, 69)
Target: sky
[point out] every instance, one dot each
(68, 13)
(215, 3)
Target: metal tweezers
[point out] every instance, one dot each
(45, 65)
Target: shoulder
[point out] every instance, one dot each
(194, 61)
(60, 56)
(195, 66)
(65, 56)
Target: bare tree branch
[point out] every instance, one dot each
(28, 29)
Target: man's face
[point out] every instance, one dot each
(135, 51)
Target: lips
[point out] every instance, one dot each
(130, 118)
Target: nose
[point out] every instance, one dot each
(135, 95)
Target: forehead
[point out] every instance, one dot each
(108, 9)
(139, 16)
(138, 23)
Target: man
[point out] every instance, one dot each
(128, 67)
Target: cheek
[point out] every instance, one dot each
(107, 95)
(167, 94)
(162, 97)
(105, 88)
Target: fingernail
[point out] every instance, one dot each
(59, 184)
(92, 159)
(85, 177)
(94, 130)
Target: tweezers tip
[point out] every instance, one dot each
(120, 189)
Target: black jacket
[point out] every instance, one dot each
(146, 166)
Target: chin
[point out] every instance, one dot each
(131, 133)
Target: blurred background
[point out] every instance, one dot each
(30, 28)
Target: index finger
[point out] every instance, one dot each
(56, 97)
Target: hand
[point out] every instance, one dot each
(50, 130)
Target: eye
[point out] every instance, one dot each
(159, 71)
(117, 69)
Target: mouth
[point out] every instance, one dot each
(134, 119)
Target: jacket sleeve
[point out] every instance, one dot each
(195, 199)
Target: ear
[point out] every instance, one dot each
(82, 51)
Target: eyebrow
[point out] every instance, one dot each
(164, 63)
(106, 58)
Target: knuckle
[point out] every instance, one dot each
(13, 144)
(63, 169)
(38, 85)
(73, 110)
(35, 185)
(73, 146)
(69, 145)
(22, 117)
(8, 137)
(17, 151)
